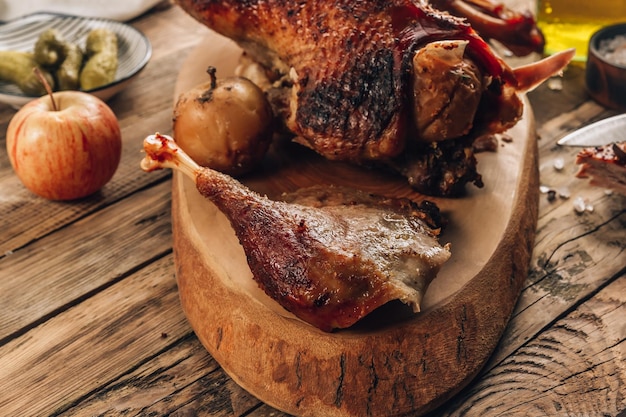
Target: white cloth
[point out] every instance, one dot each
(121, 10)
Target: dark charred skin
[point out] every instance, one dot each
(332, 108)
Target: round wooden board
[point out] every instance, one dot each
(393, 363)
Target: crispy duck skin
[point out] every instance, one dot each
(376, 82)
(349, 63)
(330, 256)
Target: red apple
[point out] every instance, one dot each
(66, 148)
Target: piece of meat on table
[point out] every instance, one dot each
(330, 256)
(606, 165)
(380, 82)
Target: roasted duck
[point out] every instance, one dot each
(328, 256)
(384, 83)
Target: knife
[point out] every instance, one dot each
(603, 132)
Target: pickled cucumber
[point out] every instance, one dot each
(61, 56)
(17, 67)
(102, 61)
(68, 74)
(49, 48)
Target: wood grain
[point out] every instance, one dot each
(127, 236)
(577, 367)
(119, 344)
(575, 255)
(99, 352)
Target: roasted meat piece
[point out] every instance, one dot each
(606, 165)
(329, 256)
(379, 82)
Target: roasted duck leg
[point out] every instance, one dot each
(379, 82)
(517, 31)
(328, 256)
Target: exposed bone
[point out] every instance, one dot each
(532, 75)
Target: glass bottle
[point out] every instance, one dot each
(570, 23)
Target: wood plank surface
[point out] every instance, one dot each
(90, 316)
(91, 343)
(576, 365)
(579, 260)
(90, 254)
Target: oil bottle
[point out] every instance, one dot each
(570, 23)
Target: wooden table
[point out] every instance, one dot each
(91, 324)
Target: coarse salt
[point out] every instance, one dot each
(614, 49)
(555, 84)
(579, 205)
(544, 189)
(559, 164)
(582, 205)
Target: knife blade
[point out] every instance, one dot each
(600, 133)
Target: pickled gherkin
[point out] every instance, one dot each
(102, 61)
(63, 64)
(54, 52)
(69, 72)
(17, 67)
(49, 48)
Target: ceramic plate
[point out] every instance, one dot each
(134, 49)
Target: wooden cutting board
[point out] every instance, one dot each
(393, 363)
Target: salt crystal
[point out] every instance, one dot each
(559, 164)
(589, 208)
(564, 193)
(555, 84)
(614, 50)
(579, 205)
(544, 189)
